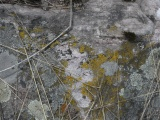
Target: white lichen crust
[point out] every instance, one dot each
(110, 68)
(37, 110)
(5, 92)
(136, 80)
(149, 68)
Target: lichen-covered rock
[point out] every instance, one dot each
(149, 69)
(7, 60)
(101, 69)
(136, 80)
(110, 68)
(156, 102)
(38, 110)
(5, 92)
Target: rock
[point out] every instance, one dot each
(37, 110)
(110, 68)
(156, 35)
(105, 60)
(7, 60)
(156, 102)
(5, 92)
(136, 80)
(150, 7)
(133, 16)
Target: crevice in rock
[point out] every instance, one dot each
(130, 36)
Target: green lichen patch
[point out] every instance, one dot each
(5, 92)
(136, 80)
(110, 68)
(149, 68)
(38, 110)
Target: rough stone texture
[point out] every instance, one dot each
(110, 68)
(150, 7)
(135, 21)
(156, 35)
(105, 67)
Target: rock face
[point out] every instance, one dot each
(103, 66)
(150, 7)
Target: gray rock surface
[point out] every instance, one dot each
(150, 7)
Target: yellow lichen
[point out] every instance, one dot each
(54, 44)
(88, 90)
(70, 101)
(74, 44)
(68, 98)
(112, 55)
(2, 27)
(82, 49)
(129, 57)
(13, 14)
(94, 64)
(87, 49)
(42, 45)
(22, 34)
(21, 50)
(37, 29)
(64, 63)
(105, 85)
(126, 52)
(109, 80)
(85, 65)
(101, 83)
(69, 80)
(112, 28)
(72, 38)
